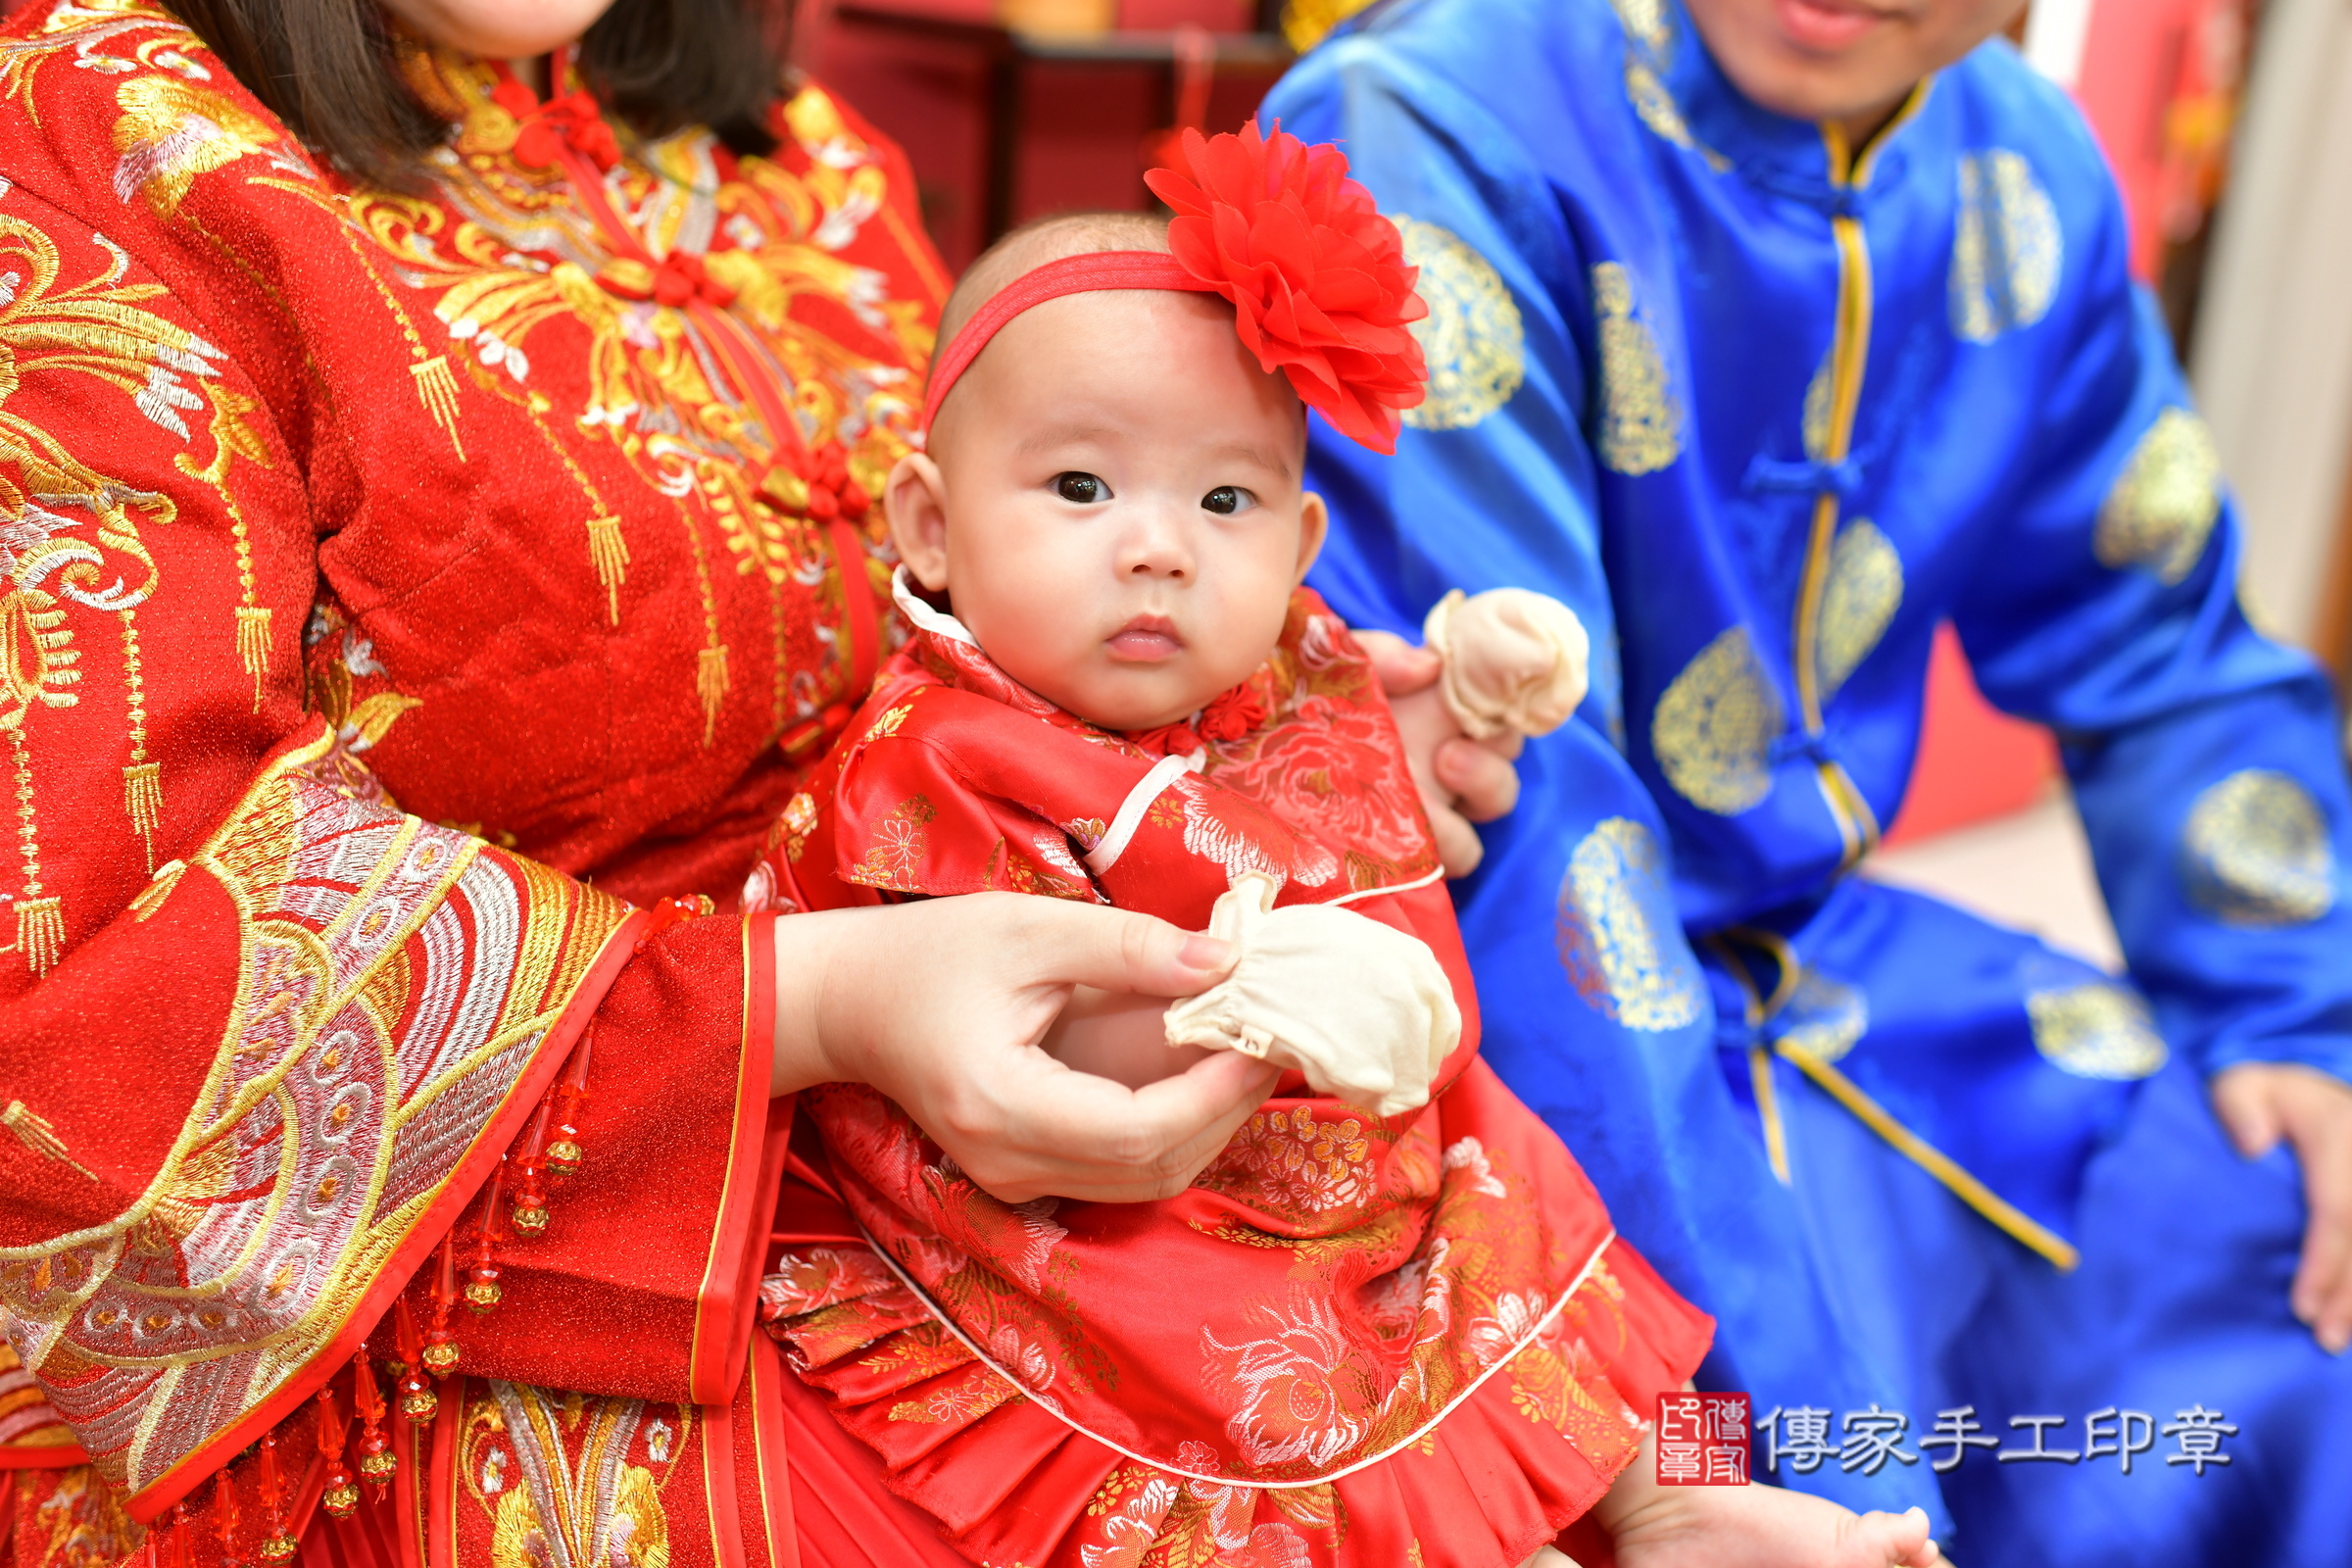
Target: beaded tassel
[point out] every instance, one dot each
(530, 1195)
(563, 1153)
(377, 1462)
(224, 1516)
(341, 1495)
(482, 1289)
(414, 1391)
(440, 1355)
(278, 1546)
(179, 1535)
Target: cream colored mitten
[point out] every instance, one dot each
(1514, 661)
(1360, 1007)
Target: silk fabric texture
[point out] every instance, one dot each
(1765, 411)
(1400, 1339)
(394, 593)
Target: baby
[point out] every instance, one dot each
(1391, 1323)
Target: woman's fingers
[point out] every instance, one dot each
(1072, 1135)
(1483, 781)
(1113, 949)
(1460, 848)
(1401, 668)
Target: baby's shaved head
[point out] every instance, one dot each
(1032, 245)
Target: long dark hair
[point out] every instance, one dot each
(325, 68)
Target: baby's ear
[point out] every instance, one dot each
(916, 499)
(1314, 522)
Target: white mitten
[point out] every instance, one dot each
(1514, 661)
(1361, 1008)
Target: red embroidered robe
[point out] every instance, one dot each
(395, 590)
(1352, 1341)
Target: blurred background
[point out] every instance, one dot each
(2229, 124)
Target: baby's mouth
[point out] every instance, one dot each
(1145, 640)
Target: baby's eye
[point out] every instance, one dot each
(1227, 499)
(1083, 488)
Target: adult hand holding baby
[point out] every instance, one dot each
(1495, 670)
(940, 1004)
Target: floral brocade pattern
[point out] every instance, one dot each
(316, 497)
(1335, 1292)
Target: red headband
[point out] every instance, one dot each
(1316, 276)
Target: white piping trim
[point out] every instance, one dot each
(1402, 887)
(1165, 773)
(1164, 1468)
(924, 617)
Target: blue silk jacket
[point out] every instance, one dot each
(1765, 410)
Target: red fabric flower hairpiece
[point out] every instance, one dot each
(1317, 277)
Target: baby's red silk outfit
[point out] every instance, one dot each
(1352, 1341)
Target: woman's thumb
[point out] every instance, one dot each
(1119, 949)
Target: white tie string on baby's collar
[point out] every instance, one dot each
(938, 623)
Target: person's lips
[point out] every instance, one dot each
(1146, 640)
(1825, 25)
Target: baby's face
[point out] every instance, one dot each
(1111, 502)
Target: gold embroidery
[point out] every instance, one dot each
(40, 918)
(1714, 727)
(2008, 250)
(2257, 852)
(172, 131)
(1864, 588)
(1639, 429)
(515, 1456)
(329, 889)
(1815, 420)
(1824, 1018)
(1473, 339)
(1661, 114)
(1619, 938)
(902, 843)
(1645, 22)
(2097, 1030)
(80, 1522)
(2164, 504)
(35, 1132)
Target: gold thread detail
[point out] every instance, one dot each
(1864, 589)
(1472, 338)
(253, 646)
(2019, 1226)
(2258, 853)
(1641, 425)
(2007, 251)
(2163, 505)
(142, 778)
(1768, 1111)
(1618, 936)
(2095, 1030)
(1713, 730)
(35, 1133)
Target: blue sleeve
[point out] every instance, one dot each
(2205, 757)
(1596, 1013)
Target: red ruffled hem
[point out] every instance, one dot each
(1507, 1468)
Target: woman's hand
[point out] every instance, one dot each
(2260, 1102)
(940, 1004)
(1462, 781)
